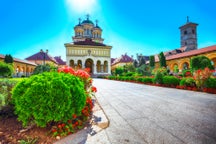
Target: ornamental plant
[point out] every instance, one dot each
(48, 97)
(200, 76)
(170, 80)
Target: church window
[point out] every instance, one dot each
(185, 32)
(193, 31)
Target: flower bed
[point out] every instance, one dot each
(59, 100)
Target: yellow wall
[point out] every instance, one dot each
(180, 61)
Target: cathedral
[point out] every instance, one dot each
(88, 50)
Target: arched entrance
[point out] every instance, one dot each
(89, 64)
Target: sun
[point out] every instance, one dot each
(81, 6)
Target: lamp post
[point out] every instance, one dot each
(44, 55)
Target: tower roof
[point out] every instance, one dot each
(188, 23)
(87, 21)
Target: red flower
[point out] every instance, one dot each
(63, 125)
(74, 116)
(94, 89)
(54, 130)
(60, 126)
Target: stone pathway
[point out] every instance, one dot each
(142, 114)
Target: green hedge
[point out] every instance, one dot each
(170, 80)
(48, 97)
(210, 83)
(187, 82)
(147, 80)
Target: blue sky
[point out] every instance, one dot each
(138, 26)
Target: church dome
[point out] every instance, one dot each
(87, 22)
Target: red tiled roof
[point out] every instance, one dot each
(188, 53)
(89, 42)
(123, 59)
(59, 60)
(192, 52)
(40, 56)
(19, 60)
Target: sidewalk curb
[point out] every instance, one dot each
(98, 122)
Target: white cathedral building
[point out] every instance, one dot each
(88, 50)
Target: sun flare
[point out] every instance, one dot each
(81, 6)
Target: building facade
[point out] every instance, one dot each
(88, 50)
(180, 58)
(21, 67)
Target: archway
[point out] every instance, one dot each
(213, 61)
(98, 66)
(72, 63)
(89, 64)
(79, 64)
(105, 66)
(185, 66)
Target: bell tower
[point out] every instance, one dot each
(189, 35)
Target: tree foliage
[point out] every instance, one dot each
(152, 61)
(201, 62)
(6, 70)
(119, 71)
(44, 68)
(162, 60)
(8, 59)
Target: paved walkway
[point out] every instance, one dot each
(142, 114)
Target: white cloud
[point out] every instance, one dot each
(82, 6)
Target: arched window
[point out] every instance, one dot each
(193, 31)
(72, 63)
(79, 64)
(185, 32)
(98, 66)
(105, 66)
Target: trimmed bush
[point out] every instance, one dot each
(210, 83)
(48, 97)
(147, 80)
(6, 70)
(187, 82)
(170, 80)
(158, 79)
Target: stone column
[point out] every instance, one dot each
(94, 69)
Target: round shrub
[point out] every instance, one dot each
(170, 80)
(48, 97)
(158, 79)
(187, 82)
(210, 83)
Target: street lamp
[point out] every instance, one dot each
(44, 55)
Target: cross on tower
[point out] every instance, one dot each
(187, 19)
(87, 16)
(79, 20)
(96, 22)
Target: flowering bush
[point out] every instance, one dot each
(200, 76)
(48, 97)
(77, 122)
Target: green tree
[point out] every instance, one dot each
(144, 69)
(8, 59)
(201, 62)
(119, 71)
(44, 68)
(162, 60)
(152, 61)
(6, 70)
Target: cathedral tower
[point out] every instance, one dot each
(189, 35)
